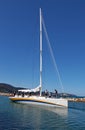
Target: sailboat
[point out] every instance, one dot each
(39, 99)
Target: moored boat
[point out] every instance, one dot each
(39, 99)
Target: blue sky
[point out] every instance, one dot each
(19, 43)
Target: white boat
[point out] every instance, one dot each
(39, 99)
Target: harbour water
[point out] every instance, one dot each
(24, 117)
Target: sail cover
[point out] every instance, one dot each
(37, 89)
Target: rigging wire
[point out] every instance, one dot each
(52, 55)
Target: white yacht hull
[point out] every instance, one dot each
(40, 100)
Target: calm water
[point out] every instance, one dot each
(24, 117)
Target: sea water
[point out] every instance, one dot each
(14, 116)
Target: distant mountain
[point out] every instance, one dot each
(67, 95)
(7, 88)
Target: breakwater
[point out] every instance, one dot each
(77, 104)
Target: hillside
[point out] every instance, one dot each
(6, 88)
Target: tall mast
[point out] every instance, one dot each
(40, 51)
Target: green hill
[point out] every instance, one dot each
(6, 88)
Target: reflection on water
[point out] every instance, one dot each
(15, 116)
(40, 116)
(62, 111)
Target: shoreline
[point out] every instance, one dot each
(77, 100)
(6, 94)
